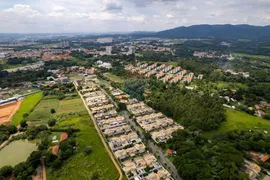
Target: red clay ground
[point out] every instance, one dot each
(7, 111)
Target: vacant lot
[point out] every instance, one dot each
(7, 111)
(81, 166)
(114, 78)
(237, 120)
(42, 112)
(251, 56)
(16, 152)
(70, 106)
(226, 85)
(27, 106)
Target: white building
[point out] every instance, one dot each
(131, 50)
(105, 65)
(108, 50)
(105, 40)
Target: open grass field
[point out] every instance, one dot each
(251, 56)
(139, 55)
(8, 111)
(114, 78)
(42, 112)
(46, 45)
(26, 107)
(69, 106)
(243, 40)
(173, 63)
(16, 152)
(226, 85)
(81, 166)
(237, 120)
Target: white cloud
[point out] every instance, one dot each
(126, 15)
(58, 8)
(193, 8)
(55, 14)
(170, 16)
(24, 10)
(112, 5)
(138, 19)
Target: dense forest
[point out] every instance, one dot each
(15, 61)
(204, 112)
(221, 158)
(11, 79)
(198, 159)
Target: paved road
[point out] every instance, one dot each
(157, 151)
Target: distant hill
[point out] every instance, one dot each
(225, 31)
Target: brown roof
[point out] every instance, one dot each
(63, 136)
(257, 106)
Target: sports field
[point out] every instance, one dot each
(27, 106)
(8, 111)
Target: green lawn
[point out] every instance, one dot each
(81, 166)
(251, 56)
(42, 112)
(114, 78)
(237, 120)
(27, 105)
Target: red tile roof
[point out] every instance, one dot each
(265, 158)
(63, 136)
(170, 152)
(55, 149)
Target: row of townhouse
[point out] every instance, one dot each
(165, 73)
(120, 95)
(157, 124)
(139, 109)
(128, 148)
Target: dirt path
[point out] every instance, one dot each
(43, 170)
(102, 139)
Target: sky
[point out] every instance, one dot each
(101, 16)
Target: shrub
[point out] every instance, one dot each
(25, 115)
(87, 150)
(56, 164)
(23, 123)
(51, 122)
(6, 171)
(52, 111)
